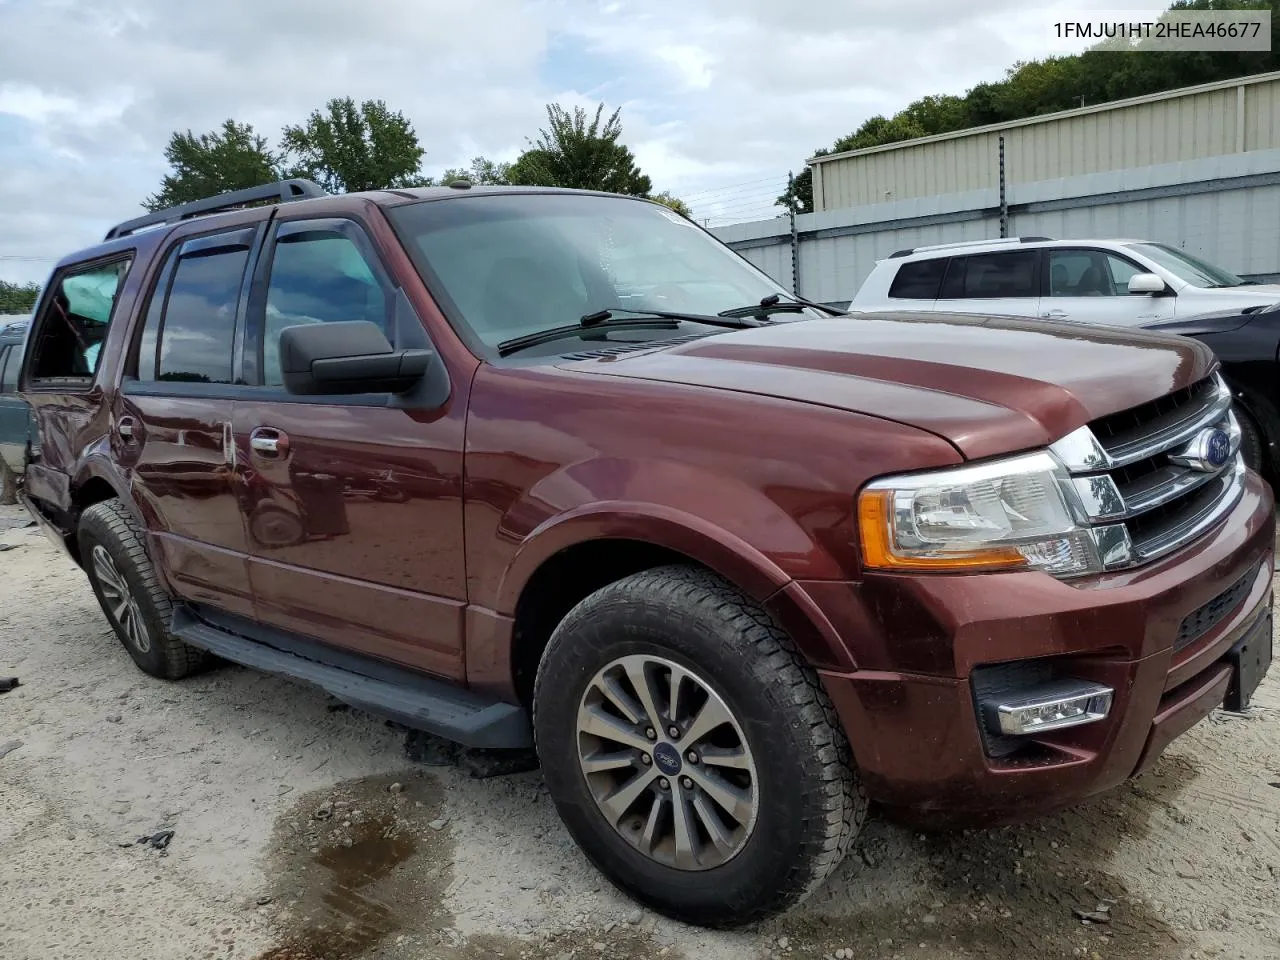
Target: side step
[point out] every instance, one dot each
(409, 698)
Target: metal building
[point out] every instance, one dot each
(1198, 168)
(1215, 119)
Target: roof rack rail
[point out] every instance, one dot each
(994, 241)
(281, 192)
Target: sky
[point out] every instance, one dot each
(719, 98)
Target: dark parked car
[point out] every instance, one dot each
(1247, 342)
(15, 415)
(525, 467)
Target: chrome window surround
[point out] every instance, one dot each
(1195, 499)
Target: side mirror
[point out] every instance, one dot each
(1146, 283)
(345, 358)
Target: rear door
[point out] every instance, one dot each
(1004, 282)
(353, 503)
(172, 420)
(1089, 285)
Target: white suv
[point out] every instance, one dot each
(1121, 282)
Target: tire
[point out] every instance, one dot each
(114, 554)
(807, 801)
(8, 486)
(1251, 445)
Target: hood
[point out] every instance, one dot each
(1256, 292)
(989, 385)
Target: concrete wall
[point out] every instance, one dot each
(1193, 123)
(1225, 209)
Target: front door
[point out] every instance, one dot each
(172, 420)
(353, 505)
(1087, 285)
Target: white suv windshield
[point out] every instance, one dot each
(1186, 267)
(515, 264)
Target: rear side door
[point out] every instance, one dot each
(1005, 283)
(1089, 285)
(353, 503)
(172, 419)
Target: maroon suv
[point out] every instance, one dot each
(523, 466)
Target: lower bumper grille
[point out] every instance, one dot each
(1200, 621)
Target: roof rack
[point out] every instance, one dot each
(281, 192)
(995, 241)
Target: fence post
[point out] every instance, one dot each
(1004, 201)
(795, 239)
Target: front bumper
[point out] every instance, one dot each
(909, 708)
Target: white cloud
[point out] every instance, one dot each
(720, 98)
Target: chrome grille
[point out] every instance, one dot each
(1144, 479)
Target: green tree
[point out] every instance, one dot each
(574, 152)
(481, 172)
(668, 199)
(347, 148)
(232, 157)
(18, 297)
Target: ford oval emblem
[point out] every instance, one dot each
(1217, 447)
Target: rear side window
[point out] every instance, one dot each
(987, 276)
(67, 343)
(919, 280)
(189, 332)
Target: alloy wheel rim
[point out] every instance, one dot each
(120, 600)
(667, 762)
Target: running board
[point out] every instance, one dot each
(412, 699)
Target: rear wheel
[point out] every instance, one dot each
(113, 552)
(691, 750)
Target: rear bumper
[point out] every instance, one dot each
(916, 736)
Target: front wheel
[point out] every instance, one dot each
(691, 750)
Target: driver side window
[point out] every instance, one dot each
(318, 276)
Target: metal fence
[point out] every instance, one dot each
(1223, 209)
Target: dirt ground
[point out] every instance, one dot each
(302, 832)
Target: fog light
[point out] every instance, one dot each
(1054, 706)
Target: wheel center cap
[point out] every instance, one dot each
(667, 759)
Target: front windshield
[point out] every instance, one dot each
(516, 264)
(1186, 267)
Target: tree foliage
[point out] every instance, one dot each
(347, 148)
(18, 297)
(482, 172)
(574, 152)
(1099, 75)
(232, 157)
(668, 199)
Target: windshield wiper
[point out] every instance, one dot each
(720, 320)
(775, 304)
(516, 344)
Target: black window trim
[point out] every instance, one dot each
(5, 351)
(1046, 251)
(1036, 275)
(73, 385)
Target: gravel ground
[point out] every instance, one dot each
(302, 832)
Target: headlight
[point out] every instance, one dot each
(1006, 514)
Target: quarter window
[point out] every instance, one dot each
(991, 275)
(919, 280)
(69, 340)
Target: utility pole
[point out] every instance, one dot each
(795, 239)
(1004, 200)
